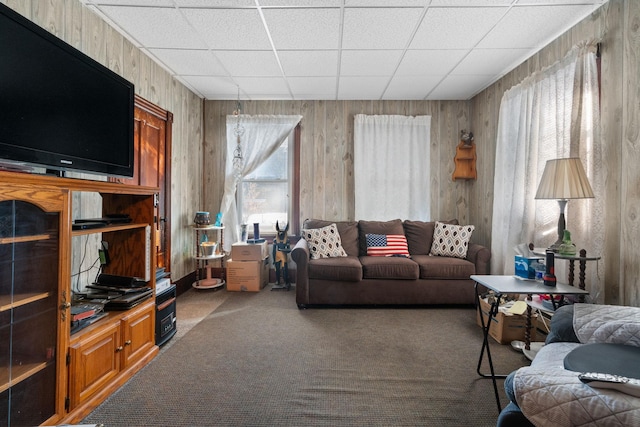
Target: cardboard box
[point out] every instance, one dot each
(524, 266)
(247, 276)
(249, 251)
(507, 327)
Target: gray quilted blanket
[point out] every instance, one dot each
(550, 395)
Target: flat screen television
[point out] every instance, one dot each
(60, 109)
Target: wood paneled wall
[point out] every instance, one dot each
(327, 152)
(80, 27)
(616, 25)
(327, 134)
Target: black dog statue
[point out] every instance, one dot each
(281, 250)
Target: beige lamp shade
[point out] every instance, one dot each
(564, 179)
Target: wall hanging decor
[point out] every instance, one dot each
(465, 159)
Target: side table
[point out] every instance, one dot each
(502, 285)
(582, 259)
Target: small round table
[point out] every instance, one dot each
(582, 259)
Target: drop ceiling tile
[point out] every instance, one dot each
(417, 62)
(190, 62)
(551, 2)
(369, 62)
(307, 63)
(459, 87)
(145, 3)
(362, 87)
(154, 27)
(384, 3)
(491, 62)
(532, 27)
(455, 28)
(215, 3)
(301, 3)
(225, 29)
(264, 87)
(379, 28)
(411, 87)
(313, 87)
(467, 3)
(249, 63)
(306, 29)
(212, 87)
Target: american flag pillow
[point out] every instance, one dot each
(387, 245)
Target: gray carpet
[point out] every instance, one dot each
(259, 361)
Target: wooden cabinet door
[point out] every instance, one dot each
(94, 362)
(32, 324)
(152, 167)
(138, 334)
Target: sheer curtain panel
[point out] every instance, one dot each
(391, 167)
(262, 136)
(552, 114)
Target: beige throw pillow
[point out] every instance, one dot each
(451, 240)
(324, 242)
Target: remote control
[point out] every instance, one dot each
(625, 385)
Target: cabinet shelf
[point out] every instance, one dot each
(107, 229)
(7, 302)
(24, 239)
(20, 373)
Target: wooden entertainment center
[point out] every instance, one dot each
(47, 375)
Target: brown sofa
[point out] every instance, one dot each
(358, 279)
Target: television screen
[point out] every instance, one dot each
(59, 108)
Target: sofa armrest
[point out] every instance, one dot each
(480, 256)
(300, 255)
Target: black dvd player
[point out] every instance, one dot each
(105, 220)
(87, 225)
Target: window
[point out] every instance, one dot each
(270, 193)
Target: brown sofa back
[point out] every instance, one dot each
(393, 226)
(353, 233)
(420, 235)
(348, 231)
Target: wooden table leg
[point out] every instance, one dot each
(572, 268)
(583, 267)
(527, 329)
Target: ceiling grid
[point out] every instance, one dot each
(341, 49)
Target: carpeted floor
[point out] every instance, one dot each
(257, 360)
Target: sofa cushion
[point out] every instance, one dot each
(389, 268)
(348, 233)
(377, 227)
(387, 245)
(324, 242)
(346, 269)
(451, 240)
(435, 267)
(420, 235)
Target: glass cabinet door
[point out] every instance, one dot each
(29, 263)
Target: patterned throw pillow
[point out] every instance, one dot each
(451, 240)
(324, 242)
(387, 245)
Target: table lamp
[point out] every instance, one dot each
(563, 179)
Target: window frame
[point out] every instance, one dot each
(293, 182)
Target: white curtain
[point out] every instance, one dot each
(391, 167)
(552, 114)
(263, 135)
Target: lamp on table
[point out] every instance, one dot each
(563, 179)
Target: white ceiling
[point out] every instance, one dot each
(341, 49)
